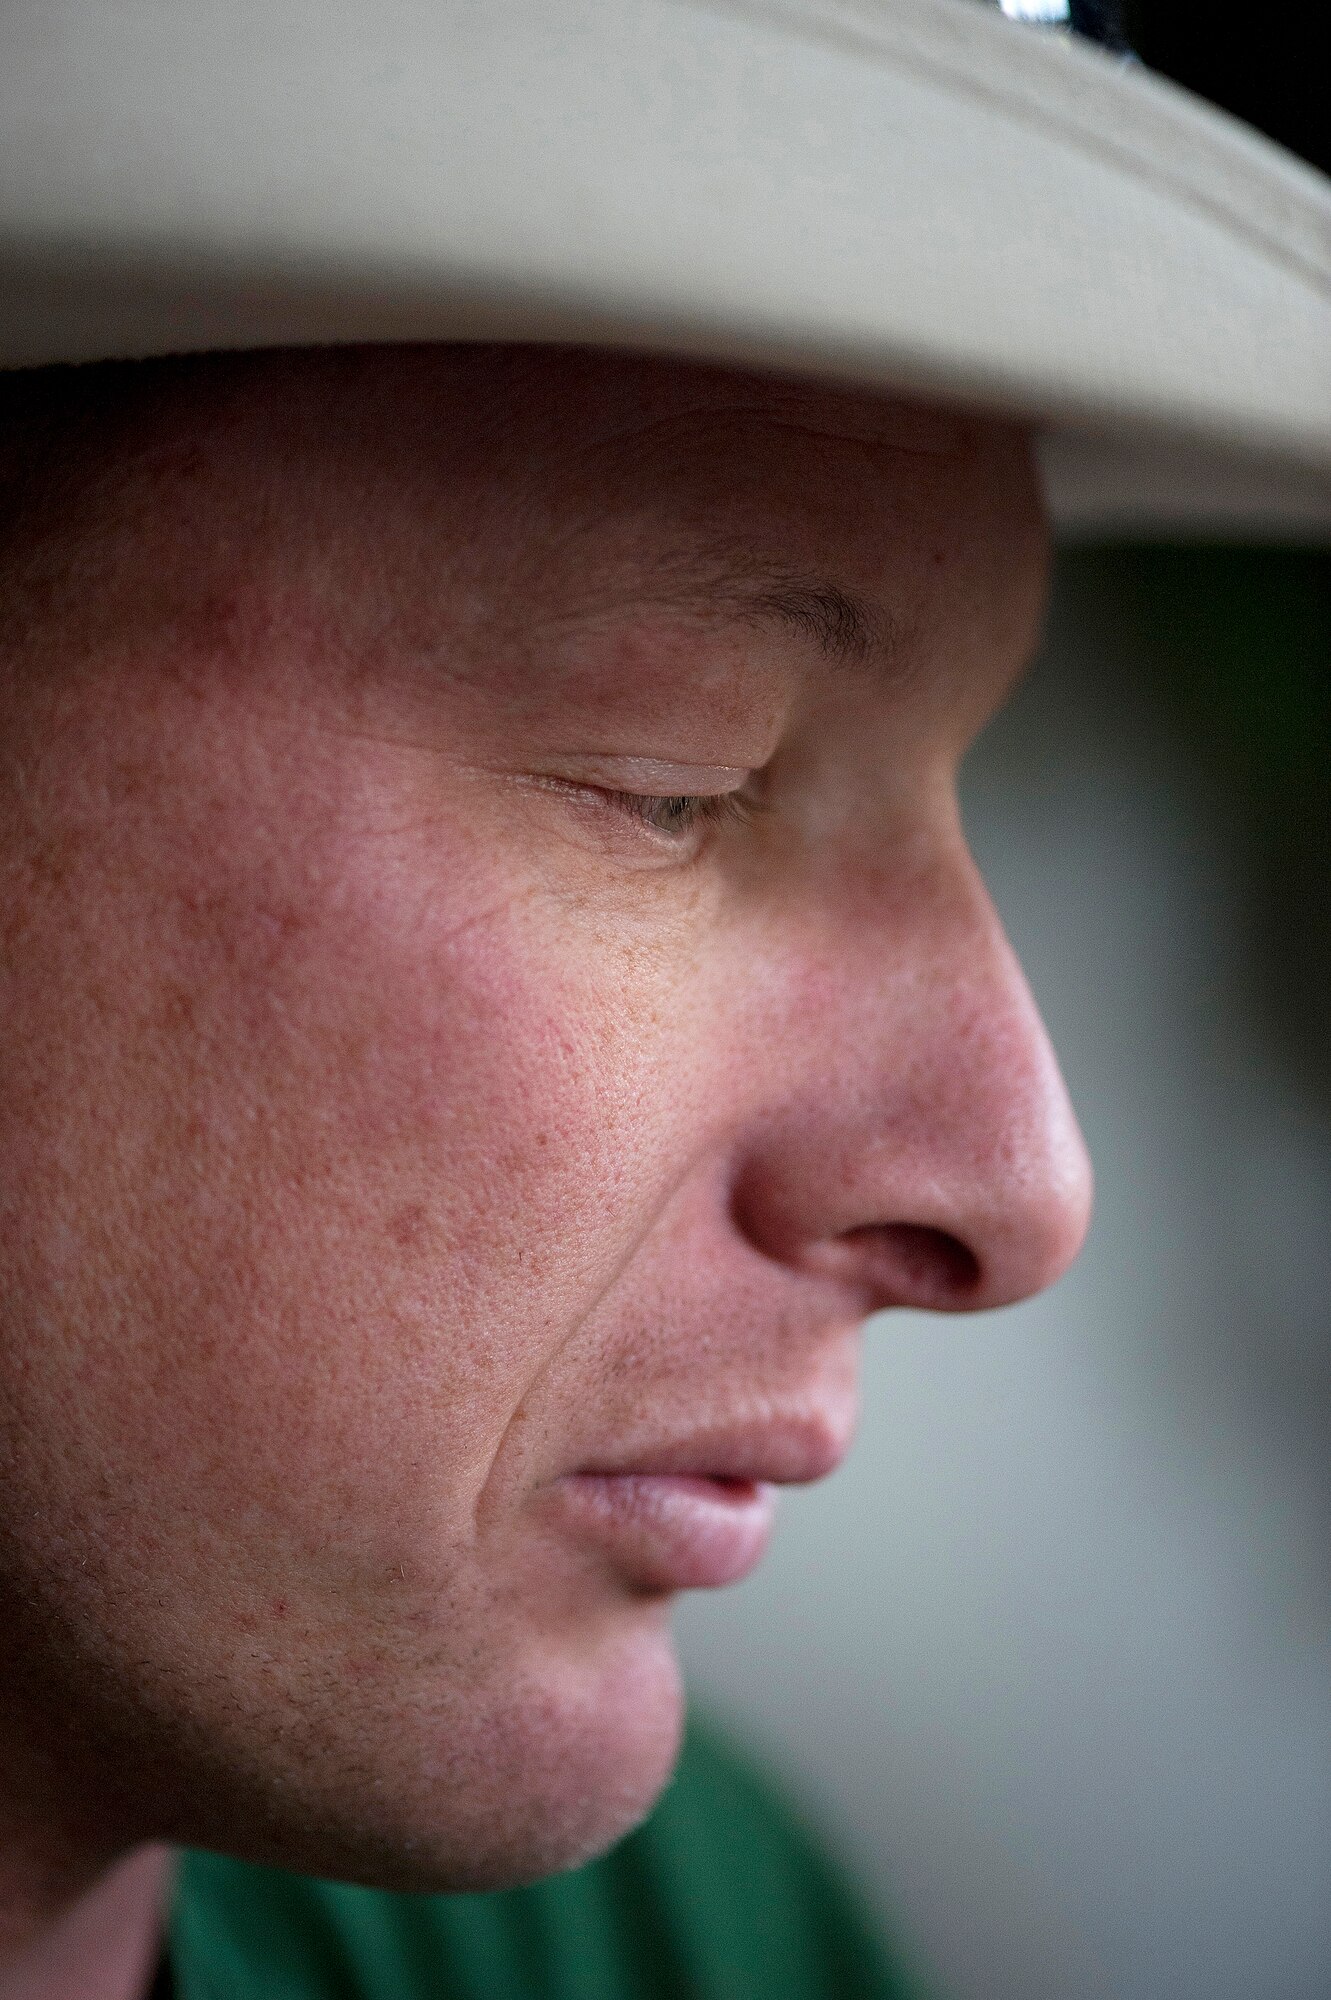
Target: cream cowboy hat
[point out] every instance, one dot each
(917, 193)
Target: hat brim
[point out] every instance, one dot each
(924, 196)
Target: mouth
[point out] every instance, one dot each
(698, 1514)
(668, 1531)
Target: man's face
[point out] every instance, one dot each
(494, 992)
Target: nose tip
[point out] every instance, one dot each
(995, 1251)
(947, 1172)
(1008, 1189)
(969, 1224)
(1034, 1227)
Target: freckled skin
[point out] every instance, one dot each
(389, 1128)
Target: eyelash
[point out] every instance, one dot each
(683, 813)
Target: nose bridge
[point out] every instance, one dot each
(930, 1148)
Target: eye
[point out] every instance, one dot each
(679, 815)
(675, 823)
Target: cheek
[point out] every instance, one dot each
(335, 1164)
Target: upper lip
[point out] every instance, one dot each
(787, 1449)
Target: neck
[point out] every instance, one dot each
(81, 1934)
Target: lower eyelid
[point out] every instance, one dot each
(602, 798)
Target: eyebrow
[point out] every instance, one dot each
(840, 623)
(845, 627)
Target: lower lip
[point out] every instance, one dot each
(671, 1531)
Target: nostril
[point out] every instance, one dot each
(912, 1264)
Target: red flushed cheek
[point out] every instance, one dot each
(366, 1124)
(455, 1152)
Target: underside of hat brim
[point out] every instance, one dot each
(917, 194)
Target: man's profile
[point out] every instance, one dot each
(496, 993)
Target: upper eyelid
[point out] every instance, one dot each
(653, 777)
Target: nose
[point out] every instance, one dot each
(914, 1138)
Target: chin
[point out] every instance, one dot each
(586, 1763)
(501, 1787)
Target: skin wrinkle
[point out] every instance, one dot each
(549, 1360)
(404, 1131)
(846, 418)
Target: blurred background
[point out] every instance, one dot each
(1050, 1661)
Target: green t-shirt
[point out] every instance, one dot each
(719, 1896)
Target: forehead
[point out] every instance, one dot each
(580, 460)
(474, 410)
(605, 396)
(506, 409)
(592, 393)
(559, 482)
